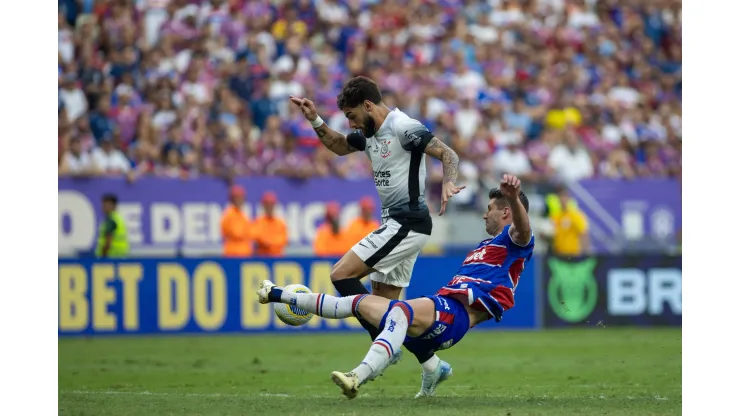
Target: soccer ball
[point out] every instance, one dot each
(290, 314)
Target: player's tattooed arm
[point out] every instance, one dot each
(447, 156)
(334, 141)
(450, 162)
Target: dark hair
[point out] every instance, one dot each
(110, 198)
(500, 199)
(356, 91)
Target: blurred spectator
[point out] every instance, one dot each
(482, 75)
(270, 231)
(570, 160)
(109, 159)
(236, 230)
(330, 239)
(570, 225)
(77, 162)
(75, 102)
(112, 234)
(361, 226)
(513, 160)
(101, 122)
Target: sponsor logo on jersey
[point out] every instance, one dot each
(414, 138)
(382, 177)
(490, 254)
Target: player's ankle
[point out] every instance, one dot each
(363, 371)
(275, 295)
(431, 364)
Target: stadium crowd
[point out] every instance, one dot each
(567, 89)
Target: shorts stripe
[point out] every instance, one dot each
(394, 241)
(447, 318)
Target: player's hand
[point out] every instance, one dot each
(448, 189)
(510, 187)
(307, 107)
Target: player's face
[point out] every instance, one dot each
(494, 217)
(359, 119)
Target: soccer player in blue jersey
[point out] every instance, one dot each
(483, 288)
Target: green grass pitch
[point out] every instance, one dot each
(597, 371)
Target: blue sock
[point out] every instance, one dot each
(274, 295)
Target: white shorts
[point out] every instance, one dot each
(391, 250)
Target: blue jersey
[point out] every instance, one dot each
(489, 274)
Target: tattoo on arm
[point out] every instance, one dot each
(336, 142)
(449, 158)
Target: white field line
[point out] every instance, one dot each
(283, 395)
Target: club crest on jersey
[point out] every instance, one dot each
(384, 150)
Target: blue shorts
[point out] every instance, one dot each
(450, 325)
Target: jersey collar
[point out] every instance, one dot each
(386, 123)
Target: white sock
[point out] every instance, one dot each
(431, 364)
(385, 345)
(323, 305)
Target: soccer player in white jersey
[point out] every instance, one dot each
(396, 145)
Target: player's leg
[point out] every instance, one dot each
(451, 323)
(326, 306)
(395, 322)
(385, 290)
(392, 283)
(346, 277)
(378, 252)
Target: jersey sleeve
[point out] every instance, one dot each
(357, 140)
(520, 251)
(414, 136)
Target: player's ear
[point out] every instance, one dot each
(368, 105)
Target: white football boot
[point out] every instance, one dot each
(264, 291)
(348, 382)
(430, 381)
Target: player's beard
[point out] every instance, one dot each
(368, 127)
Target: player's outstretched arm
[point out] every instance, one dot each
(334, 141)
(450, 162)
(520, 230)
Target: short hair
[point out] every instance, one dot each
(110, 198)
(500, 199)
(356, 91)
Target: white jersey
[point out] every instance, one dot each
(396, 152)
